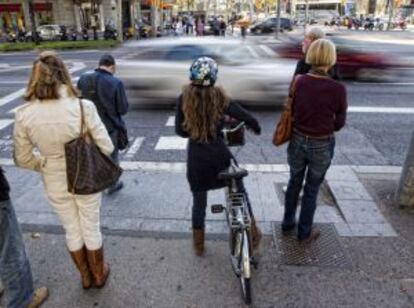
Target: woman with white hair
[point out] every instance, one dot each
(302, 67)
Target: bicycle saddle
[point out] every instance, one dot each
(233, 172)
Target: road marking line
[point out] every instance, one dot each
(5, 122)
(77, 66)
(367, 109)
(253, 52)
(170, 121)
(133, 149)
(13, 82)
(171, 143)
(268, 50)
(255, 168)
(11, 97)
(383, 84)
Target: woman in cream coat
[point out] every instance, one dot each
(49, 119)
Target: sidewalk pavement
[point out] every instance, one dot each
(158, 269)
(156, 198)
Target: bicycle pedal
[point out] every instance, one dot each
(217, 208)
(254, 263)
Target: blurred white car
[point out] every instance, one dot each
(155, 71)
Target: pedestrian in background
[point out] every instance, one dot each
(108, 94)
(15, 271)
(302, 67)
(223, 27)
(319, 110)
(50, 119)
(200, 27)
(200, 117)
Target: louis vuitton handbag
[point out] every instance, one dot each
(284, 127)
(88, 169)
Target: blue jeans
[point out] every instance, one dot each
(15, 269)
(311, 158)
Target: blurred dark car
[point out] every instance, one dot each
(269, 25)
(352, 64)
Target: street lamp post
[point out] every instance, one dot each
(391, 12)
(278, 19)
(35, 37)
(405, 191)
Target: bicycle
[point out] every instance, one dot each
(238, 216)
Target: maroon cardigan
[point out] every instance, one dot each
(319, 106)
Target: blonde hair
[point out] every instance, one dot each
(321, 53)
(315, 33)
(203, 108)
(48, 74)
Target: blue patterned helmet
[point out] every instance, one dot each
(203, 72)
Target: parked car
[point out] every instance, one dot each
(156, 70)
(47, 33)
(270, 24)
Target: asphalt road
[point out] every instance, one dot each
(372, 136)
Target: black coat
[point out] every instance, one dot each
(108, 94)
(303, 68)
(206, 160)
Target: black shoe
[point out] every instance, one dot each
(313, 236)
(113, 189)
(287, 230)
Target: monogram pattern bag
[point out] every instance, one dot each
(88, 169)
(284, 127)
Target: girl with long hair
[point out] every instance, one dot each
(50, 119)
(200, 113)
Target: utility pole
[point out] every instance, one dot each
(405, 191)
(35, 37)
(391, 13)
(119, 25)
(278, 19)
(306, 13)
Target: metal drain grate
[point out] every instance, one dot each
(326, 251)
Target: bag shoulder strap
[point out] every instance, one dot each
(82, 126)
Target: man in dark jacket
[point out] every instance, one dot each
(108, 94)
(302, 67)
(15, 271)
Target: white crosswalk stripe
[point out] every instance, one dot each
(5, 122)
(170, 121)
(171, 143)
(134, 148)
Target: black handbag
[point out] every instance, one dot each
(88, 170)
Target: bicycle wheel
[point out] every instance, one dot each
(245, 269)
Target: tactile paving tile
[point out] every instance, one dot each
(326, 251)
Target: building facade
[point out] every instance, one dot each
(15, 14)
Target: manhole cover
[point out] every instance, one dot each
(325, 251)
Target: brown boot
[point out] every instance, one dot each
(99, 269)
(198, 241)
(80, 259)
(256, 234)
(39, 297)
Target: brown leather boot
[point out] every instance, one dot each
(198, 241)
(80, 259)
(256, 234)
(99, 269)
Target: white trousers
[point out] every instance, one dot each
(79, 214)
